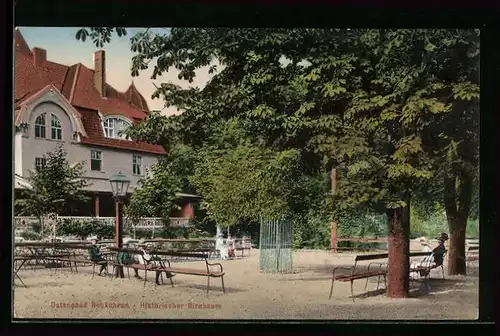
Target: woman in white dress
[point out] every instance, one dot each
(221, 247)
(230, 247)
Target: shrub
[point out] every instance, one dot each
(85, 228)
(30, 235)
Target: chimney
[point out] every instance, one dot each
(100, 72)
(39, 56)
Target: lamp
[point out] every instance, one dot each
(119, 186)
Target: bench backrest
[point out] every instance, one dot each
(125, 250)
(420, 254)
(180, 254)
(377, 256)
(364, 257)
(473, 248)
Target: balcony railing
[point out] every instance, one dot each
(26, 223)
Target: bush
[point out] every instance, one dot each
(312, 231)
(361, 224)
(30, 235)
(85, 228)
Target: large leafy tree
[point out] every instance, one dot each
(368, 102)
(53, 186)
(156, 192)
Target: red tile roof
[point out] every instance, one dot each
(92, 125)
(76, 83)
(21, 45)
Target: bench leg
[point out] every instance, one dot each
(442, 270)
(378, 281)
(145, 277)
(93, 270)
(331, 289)
(222, 280)
(208, 284)
(352, 291)
(76, 268)
(171, 281)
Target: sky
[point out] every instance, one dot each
(62, 47)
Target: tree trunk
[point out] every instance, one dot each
(399, 249)
(457, 216)
(456, 255)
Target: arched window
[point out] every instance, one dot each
(56, 128)
(40, 126)
(113, 127)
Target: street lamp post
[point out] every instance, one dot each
(119, 186)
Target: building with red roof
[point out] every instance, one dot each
(75, 107)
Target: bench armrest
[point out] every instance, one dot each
(380, 265)
(343, 268)
(214, 264)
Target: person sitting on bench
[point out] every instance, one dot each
(97, 258)
(147, 259)
(437, 254)
(230, 247)
(125, 258)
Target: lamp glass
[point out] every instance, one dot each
(119, 185)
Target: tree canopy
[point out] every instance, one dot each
(395, 111)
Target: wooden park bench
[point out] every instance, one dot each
(353, 275)
(132, 252)
(472, 255)
(380, 271)
(206, 272)
(242, 245)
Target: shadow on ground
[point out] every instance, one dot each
(213, 287)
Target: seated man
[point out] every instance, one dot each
(147, 259)
(97, 258)
(437, 254)
(125, 258)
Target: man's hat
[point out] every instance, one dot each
(442, 237)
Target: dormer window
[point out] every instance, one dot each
(114, 127)
(40, 126)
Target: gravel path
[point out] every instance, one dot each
(249, 295)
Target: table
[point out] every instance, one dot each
(16, 269)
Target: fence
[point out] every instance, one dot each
(275, 246)
(27, 223)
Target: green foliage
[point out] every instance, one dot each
(312, 231)
(84, 228)
(30, 235)
(141, 233)
(394, 110)
(155, 196)
(53, 186)
(99, 35)
(361, 224)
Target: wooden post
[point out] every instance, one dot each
(96, 205)
(118, 235)
(333, 229)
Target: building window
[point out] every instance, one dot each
(95, 160)
(40, 163)
(56, 128)
(113, 128)
(137, 165)
(40, 126)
